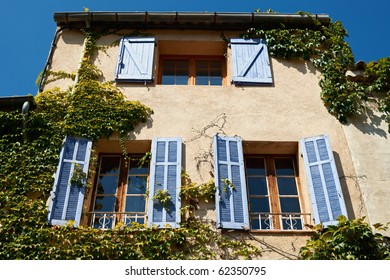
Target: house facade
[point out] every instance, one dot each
(224, 110)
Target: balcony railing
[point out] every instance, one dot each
(109, 220)
(259, 221)
(280, 221)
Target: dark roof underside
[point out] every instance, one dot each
(185, 20)
(16, 102)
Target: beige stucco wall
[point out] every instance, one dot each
(369, 143)
(67, 57)
(288, 110)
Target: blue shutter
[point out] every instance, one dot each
(66, 201)
(135, 60)
(324, 184)
(231, 203)
(251, 63)
(165, 174)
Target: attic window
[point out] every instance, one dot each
(192, 71)
(192, 63)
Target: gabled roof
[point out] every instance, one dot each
(185, 20)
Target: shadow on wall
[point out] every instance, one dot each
(355, 209)
(344, 187)
(302, 66)
(369, 122)
(137, 130)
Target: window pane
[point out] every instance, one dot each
(169, 71)
(287, 186)
(257, 186)
(105, 222)
(168, 64)
(208, 72)
(255, 223)
(137, 168)
(292, 223)
(262, 221)
(202, 80)
(168, 79)
(215, 72)
(216, 64)
(258, 204)
(181, 80)
(140, 219)
(202, 72)
(255, 166)
(136, 185)
(182, 72)
(284, 166)
(289, 204)
(107, 184)
(175, 72)
(109, 165)
(135, 204)
(215, 81)
(105, 203)
(182, 64)
(202, 64)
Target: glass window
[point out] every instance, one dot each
(208, 72)
(175, 72)
(192, 71)
(106, 189)
(273, 193)
(120, 192)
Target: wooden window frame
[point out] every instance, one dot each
(192, 66)
(273, 193)
(121, 188)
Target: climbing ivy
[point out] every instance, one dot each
(348, 240)
(326, 48)
(95, 109)
(91, 109)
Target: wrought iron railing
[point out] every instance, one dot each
(109, 220)
(259, 221)
(280, 221)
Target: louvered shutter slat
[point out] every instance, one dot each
(66, 200)
(61, 191)
(165, 173)
(231, 203)
(324, 185)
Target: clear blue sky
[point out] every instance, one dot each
(27, 27)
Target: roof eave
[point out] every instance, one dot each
(11, 103)
(186, 20)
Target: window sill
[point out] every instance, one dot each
(282, 232)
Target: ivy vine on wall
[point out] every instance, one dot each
(95, 109)
(327, 49)
(91, 109)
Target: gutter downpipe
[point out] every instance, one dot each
(50, 57)
(25, 108)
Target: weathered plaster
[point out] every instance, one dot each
(369, 144)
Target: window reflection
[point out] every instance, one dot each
(191, 70)
(117, 200)
(175, 72)
(272, 193)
